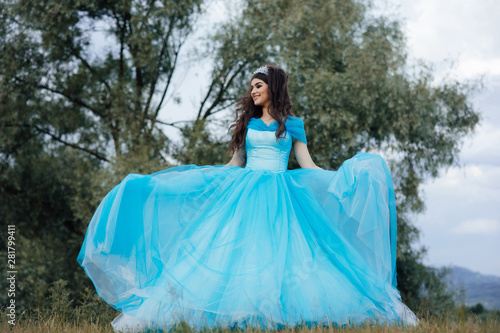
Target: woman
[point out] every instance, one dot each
(250, 242)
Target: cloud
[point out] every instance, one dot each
(463, 31)
(483, 147)
(478, 226)
(474, 67)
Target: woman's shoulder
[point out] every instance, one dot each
(295, 121)
(295, 125)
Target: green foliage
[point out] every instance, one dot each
(75, 120)
(60, 303)
(477, 309)
(423, 288)
(478, 312)
(92, 315)
(92, 308)
(89, 313)
(59, 309)
(350, 81)
(200, 147)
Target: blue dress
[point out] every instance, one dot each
(259, 245)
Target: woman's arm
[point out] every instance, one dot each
(302, 155)
(238, 157)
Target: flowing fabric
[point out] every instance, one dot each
(260, 245)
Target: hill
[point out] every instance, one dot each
(479, 288)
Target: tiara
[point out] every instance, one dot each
(263, 70)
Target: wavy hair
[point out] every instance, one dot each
(280, 107)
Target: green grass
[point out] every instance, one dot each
(92, 314)
(55, 324)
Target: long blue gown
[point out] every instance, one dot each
(259, 245)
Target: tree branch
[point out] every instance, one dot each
(169, 79)
(157, 74)
(207, 96)
(59, 139)
(146, 16)
(139, 83)
(222, 108)
(90, 68)
(173, 124)
(222, 90)
(70, 98)
(122, 29)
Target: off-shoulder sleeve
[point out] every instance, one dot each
(295, 126)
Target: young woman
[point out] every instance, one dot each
(250, 242)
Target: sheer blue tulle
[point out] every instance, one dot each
(261, 245)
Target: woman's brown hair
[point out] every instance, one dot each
(280, 108)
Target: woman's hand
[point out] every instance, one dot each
(302, 155)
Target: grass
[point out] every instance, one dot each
(54, 324)
(92, 314)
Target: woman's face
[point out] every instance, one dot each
(259, 93)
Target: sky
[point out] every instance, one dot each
(461, 224)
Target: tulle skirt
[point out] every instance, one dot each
(230, 246)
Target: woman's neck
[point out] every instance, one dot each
(265, 112)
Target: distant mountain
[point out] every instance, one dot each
(479, 288)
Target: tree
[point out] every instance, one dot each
(477, 309)
(350, 81)
(74, 121)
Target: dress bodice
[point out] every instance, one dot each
(264, 150)
(213, 243)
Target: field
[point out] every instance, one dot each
(54, 325)
(92, 314)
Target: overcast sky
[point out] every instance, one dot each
(461, 225)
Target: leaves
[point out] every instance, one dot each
(350, 81)
(75, 119)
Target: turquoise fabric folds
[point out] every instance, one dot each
(259, 245)
(294, 126)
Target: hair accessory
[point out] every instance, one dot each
(263, 70)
